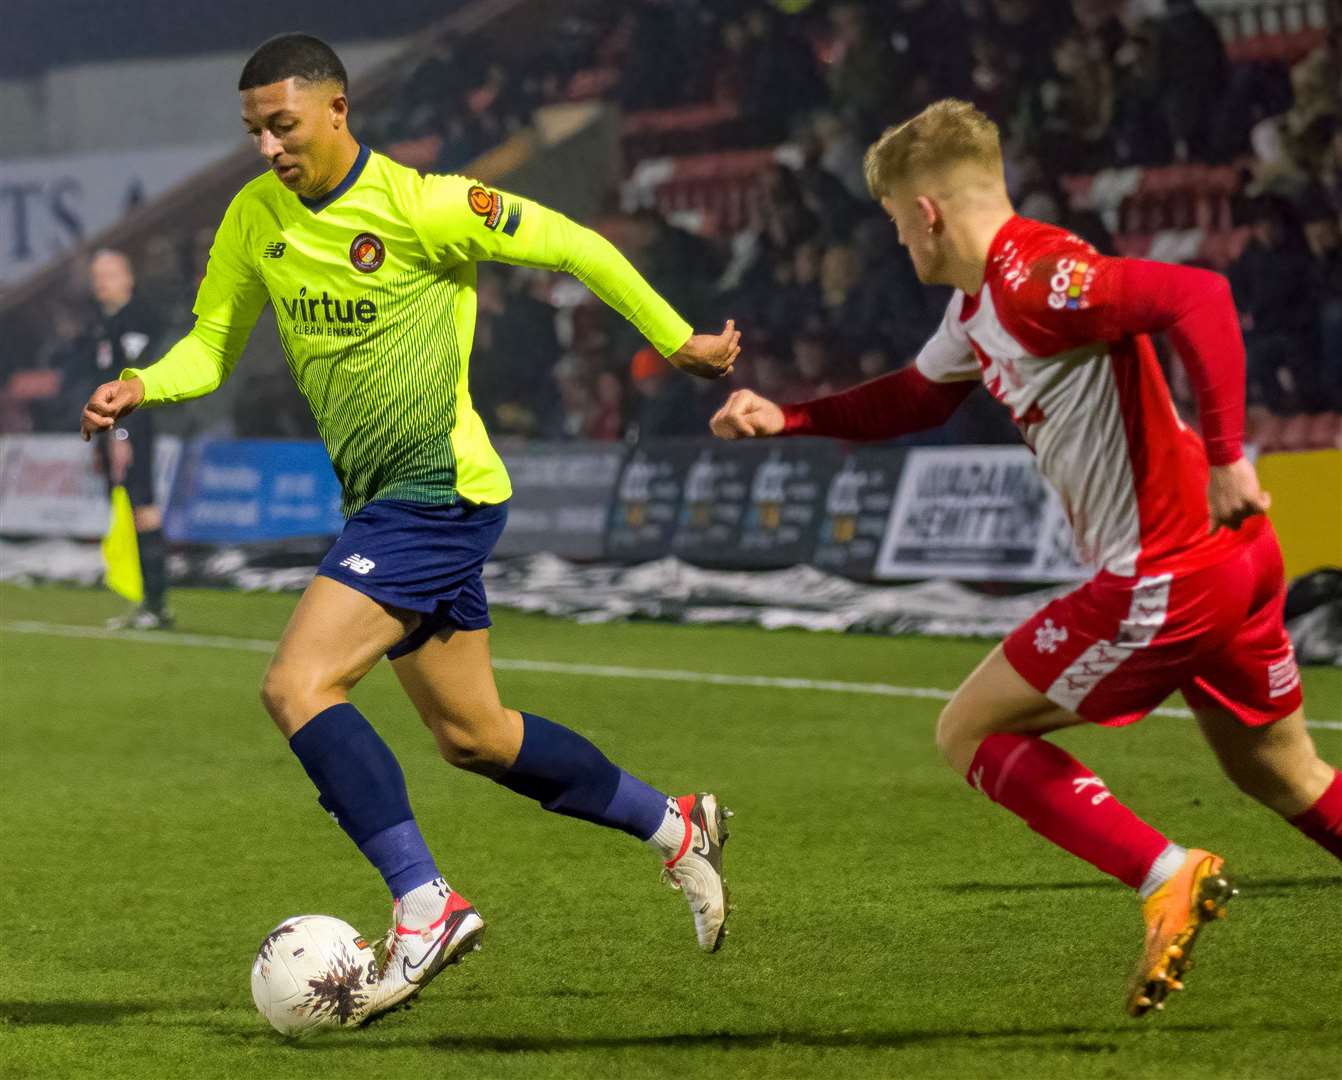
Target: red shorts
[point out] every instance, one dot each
(1114, 649)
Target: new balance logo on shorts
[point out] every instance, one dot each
(274, 250)
(358, 564)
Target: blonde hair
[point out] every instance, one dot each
(947, 132)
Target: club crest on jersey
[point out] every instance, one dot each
(367, 253)
(489, 205)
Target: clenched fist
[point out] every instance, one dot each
(109, 403)
(746, 415)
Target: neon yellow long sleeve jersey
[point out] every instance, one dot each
(374, 292)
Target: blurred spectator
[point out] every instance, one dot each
(824, 194)
(1193, 71)
(653, 70)
(665, 402)
(1141, 133)
(1067, 117)
(841, 153)
(515, 347)
(677, 263)
(865, 82)
(814, 365)
(1274, 290)
(930, 39)
(124, 332)
(778, 78)
(606, 422)
(1323, 235)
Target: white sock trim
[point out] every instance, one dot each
(423, 906)
(670, 833)
(1166, 865)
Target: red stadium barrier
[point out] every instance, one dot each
(688, 129)
(712, 189)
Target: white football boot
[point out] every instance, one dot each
(696, 870)
(411, 958)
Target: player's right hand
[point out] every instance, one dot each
(109, 403)
(746, 415)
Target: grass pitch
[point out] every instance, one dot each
(890, 922)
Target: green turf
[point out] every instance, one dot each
(891, 923)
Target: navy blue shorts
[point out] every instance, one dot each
(421, 557)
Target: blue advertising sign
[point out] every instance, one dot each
(245, 490)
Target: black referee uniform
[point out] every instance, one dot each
(127, 338)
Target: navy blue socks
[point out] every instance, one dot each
(360, 784)
(568, 775)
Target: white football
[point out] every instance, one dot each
(312, 972)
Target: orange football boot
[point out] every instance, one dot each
(1175, 913)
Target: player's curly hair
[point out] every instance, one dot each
(947, 132)
(292, 56)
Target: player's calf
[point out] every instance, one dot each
(1277, 764)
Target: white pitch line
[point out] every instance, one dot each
(550, 667)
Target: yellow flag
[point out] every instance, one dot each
(121, 550)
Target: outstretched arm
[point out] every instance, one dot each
(897, 404)
(230, 298)
(461, 220)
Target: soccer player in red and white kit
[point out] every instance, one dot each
(1189, 590)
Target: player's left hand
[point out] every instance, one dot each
(710, 356)
(1233, 495)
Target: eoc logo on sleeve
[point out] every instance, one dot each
(1067, 288)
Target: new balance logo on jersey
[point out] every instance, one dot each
(1083, 783)
(1048, 637)
(274, 250)
(358, 564)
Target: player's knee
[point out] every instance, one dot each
(464, 747)
(287, 695)
(479, 739)
(956, 742)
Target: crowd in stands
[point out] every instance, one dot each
(810, 267)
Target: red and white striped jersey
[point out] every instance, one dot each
(1045, 337)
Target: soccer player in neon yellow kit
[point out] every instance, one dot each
(371, 269)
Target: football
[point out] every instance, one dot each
(312, 972)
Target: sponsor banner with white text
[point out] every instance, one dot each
(561, 494)
(51, 204)
(49, 485)
(976, 513)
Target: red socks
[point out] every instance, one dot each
(1322, 822)
(1064, 802)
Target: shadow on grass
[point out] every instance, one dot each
(1251, 887)
(1102, 1040)
(68, 1012)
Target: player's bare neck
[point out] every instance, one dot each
(971, 237)
(343, 158)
